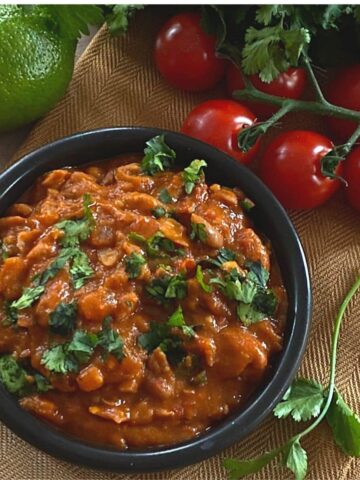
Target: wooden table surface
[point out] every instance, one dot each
(11, 141)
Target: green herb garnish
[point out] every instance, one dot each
(18, 381)
(167, 287)
(158, 156)
(164, 196)
(133, 264)
(62, 319)
(157, 245)
(200, 278)
(198, 232)
(110, 340)
(159, 212)
(193, 174)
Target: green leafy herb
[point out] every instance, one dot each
(133, 264)
(118, 18)
(345, 425)
(265, 301)
(164, 196)
(62, 319)
(42, 383)
(158, 156)
(247, 205)
(28, 297)
(167, 287)
(157, 245)
(295, 459)
(162, 335)
(193, 174)
(110, 340)
(55, 266)
(198, 232)
(82, 345)
(159, 212)
(248, 314)
(200, 278)
(257, 273)
(80, 269)
(3, 251)
(73, 20)
(303, 400)
(57, 360)
(76, 231)
(10, 314)
(225, 255)
(12, 375)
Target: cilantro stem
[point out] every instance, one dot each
(334, 344)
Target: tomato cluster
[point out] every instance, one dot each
(291, 164)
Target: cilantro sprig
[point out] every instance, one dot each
(158, 156)
(164, 336)
(134, 264)
(156, 246)
(307, 399)
(167, 287)
(20, 381)
(69, 356)
(192, 174)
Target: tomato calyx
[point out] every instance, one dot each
(329, 164)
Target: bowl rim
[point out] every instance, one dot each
(231, 429)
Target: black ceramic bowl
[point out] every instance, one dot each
(269, 217)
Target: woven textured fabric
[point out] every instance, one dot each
(115, 83)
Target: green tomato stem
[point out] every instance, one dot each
(317, 107)
(313, 79)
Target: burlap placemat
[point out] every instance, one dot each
(115, 83)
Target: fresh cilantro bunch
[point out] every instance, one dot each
(268, 39)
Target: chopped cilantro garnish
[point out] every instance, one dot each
(3, 251)
(158, 156)
(110, 340)
(247, 204)
(82, 345)
(224, 255)
(28, 297)
(57, 360)
(193, 174)
(265, 301)
(248, 314)
(200, 278)
(80, 269)
(12, 375)
(157, 245)
(162, 335)
(257, 273)
(159, 212)
(164, 196)
(62, 319)
(167, 287)
(133, 264)
(198, 232)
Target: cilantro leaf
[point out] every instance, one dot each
(345, 426)
(247, 205)
(192, 174)
(164, 196)
(200, 278)
(241, 468)
(62, 319)
(303, 400)
(295, 458)
(42, 383)
(118, 19)
(80, 269)
(55, 266)
(73, 20)
(257, 273)
(198, 232)
(133, 264)
(225, 255)
(158, 156)
(110, 340)
(28, 297)
(10, 314)
(265, 301)
(82, 345)
(248, 314)
(76, 231)
(161, 335)
(167, 287)
(12, 375)
(157, 245)
(177, 320)
(57, 360)
(159, 212)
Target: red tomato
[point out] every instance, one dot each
(289, 84)
(185, 54)
(344, 90)
(218, 122)
(291, 168)
(352, 176)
